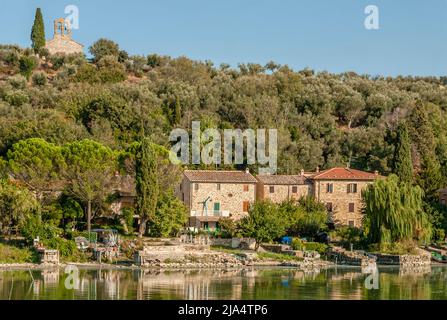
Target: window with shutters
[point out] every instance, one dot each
(294, 189)
(246, 188)
(196, 186)
(351, 223)
(351, 207)
(330, 188)
(216, 207)
(218, 187)
(272, 189)
(329, 206)
(245, 206)
(352, 188)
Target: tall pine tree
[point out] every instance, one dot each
(38, 32)
(146, 184)
(402, 163)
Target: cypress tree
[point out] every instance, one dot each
(402, 163)
(38, 32)
(146, 184)
(429, 174)
(177, 111)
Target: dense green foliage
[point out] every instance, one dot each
(38, 32)
(16, 206)
(170, 216)
(297, 244)
(323, 119)
(36, 162)
(89, 169)
(394, 212)
(14, 254)
(27, 64)
(403, 166)
(81, 116)
(263, 223)
(146, 184)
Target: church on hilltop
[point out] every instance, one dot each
(62, 42)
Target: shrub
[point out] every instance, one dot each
(66, 247)
(228, 227)
(128, 214)
(26, 65)
(43, 53)
(10, 57)
(298, 244)
(34, 228)
(39, 79)
(439, 235)
(348, 235)
(395, 248)
(321, 248)
(104, 47)
(12, 254)
(17, 81)
(87, 73)
(110, 70)
(17, 98)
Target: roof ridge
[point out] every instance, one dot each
(200, 170)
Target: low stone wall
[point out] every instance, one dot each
(243, 243)
(184, 256)
(352, 258)
(276, 248)
(421, 259)
(221, 242)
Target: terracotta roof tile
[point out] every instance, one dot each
(282, 179)
(345, 174)
(219, 176)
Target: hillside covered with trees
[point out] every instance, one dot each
(95, 109)
(323, 119)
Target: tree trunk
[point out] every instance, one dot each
(89, 216)
(142, 229)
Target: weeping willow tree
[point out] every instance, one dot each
(394, 212)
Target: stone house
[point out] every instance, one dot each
(341, 190)
(278, 188)
(442, 193)
(211, 195)
(62, 42)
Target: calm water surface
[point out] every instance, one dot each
(277, 283)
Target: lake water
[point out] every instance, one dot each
(249, 284)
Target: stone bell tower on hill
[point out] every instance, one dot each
(62, 42)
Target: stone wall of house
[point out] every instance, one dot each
(283, 192)
(341, 199)
(185, 192)
(231, 197)
(65, 45)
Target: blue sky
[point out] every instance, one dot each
(320, 34)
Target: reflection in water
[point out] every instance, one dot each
(248, 284)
